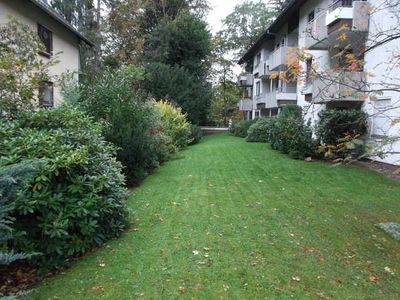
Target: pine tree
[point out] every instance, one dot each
(279, 5)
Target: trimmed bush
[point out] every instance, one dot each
(341, 132)
(195, 134)
(240, 128)
(260, 130)
(133, 125)
(175, 123)
(289, 133)
(74, 196)
(337, 124)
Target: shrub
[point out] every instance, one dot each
(74, 199)
(240, 128)
(195, 134)
(175, 123)
(336, 124)
(289, 133)
(340, 133)
(260, 130)
(133, 125)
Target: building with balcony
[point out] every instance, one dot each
(328, 32)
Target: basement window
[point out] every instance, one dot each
(46, 94)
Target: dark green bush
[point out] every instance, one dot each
(260, 130)
(75, 198)
(133, 124)
(341, 132)
(13, 178)
(195, 134)
(289, 133)
(336, 124)
(240, 128)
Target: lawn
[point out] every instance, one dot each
(231, 220)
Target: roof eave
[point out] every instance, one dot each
(276, 24)
(62, 21)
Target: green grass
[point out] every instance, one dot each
(259, 221)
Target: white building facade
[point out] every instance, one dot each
(61, 41)
(315, 27)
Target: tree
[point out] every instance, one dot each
(177, 53)
(130, 22)
(184, 41)
(244, 25)
(22, 71)
(223, 103)
(85, 16)
(178, 85)
(279, 5)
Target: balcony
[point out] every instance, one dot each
(245, 105)
(246, 80)
(349, 13)
(345, 86)
(280, 56)
(317, 33)
(285, 95)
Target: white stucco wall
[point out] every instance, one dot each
(64, 41)
(320, 57)
(383, 64)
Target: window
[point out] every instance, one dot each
(276, 84)
(256, 114)
(311, 16)
(46, 94)
(308, 70)
(258, 59)
(258, 88)
(46, 36)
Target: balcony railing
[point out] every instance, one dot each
(341, 87)
(280, 56)
(245, 80)
(341, 3)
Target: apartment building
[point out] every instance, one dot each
(58, 36)
(320, 30)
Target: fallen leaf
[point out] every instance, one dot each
(182, 290)
(226, 287)
(96, 288)
(102, 265)
(296, 278)
(373, 278)
(195, 252)
(389, 270)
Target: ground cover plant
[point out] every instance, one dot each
(237, 220)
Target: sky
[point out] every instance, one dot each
(219, 10)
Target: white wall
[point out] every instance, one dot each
(63, 40)
(381, 62)
(321, 57)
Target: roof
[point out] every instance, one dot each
(282, 18)
(57, 17)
